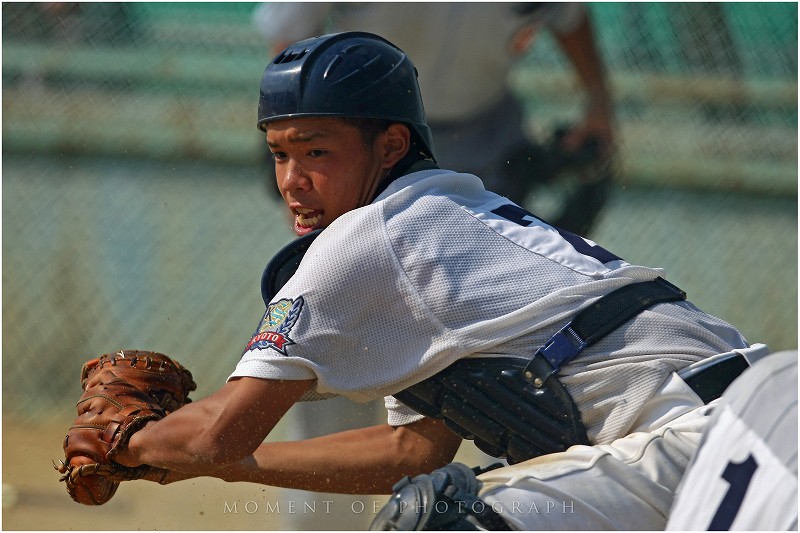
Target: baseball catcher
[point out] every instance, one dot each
(122, 391)
(472, 318)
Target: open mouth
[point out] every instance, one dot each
(307, 218)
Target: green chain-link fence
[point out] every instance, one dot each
(136, 213)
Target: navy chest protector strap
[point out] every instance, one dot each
(516, 408)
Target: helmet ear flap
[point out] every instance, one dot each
(349, 74)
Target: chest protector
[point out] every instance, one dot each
(516, 408)
(489, 401)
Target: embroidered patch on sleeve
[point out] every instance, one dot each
(278, 321)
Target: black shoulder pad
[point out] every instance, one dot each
(283, 265)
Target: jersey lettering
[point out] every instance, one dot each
(517, 215)
(738, 476)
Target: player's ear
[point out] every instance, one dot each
(396, 143)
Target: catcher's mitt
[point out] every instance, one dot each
(122, 392)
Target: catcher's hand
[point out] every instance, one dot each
(123, 391)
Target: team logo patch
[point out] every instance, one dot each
(278, 321)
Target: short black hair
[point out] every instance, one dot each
(370, 128)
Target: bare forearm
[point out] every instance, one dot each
(362, 461)
(598, 121)
(580, 48)
(185, 441)
(222, 436)
(223, 428)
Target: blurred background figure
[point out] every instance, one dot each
(464, 53)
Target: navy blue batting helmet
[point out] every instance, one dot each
(349, 74)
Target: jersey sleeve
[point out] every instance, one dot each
(348, 318)
(399, 413)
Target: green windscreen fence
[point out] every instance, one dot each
(136, 211)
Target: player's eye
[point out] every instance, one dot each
(278, 156)
(316, 153)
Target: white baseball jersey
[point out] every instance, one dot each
(744, 475)
(437, 269)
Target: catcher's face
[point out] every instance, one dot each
(324, 168)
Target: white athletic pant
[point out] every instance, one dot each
(625, 485)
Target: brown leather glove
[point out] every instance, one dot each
(123, 391)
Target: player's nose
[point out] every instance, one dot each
(294, 177)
